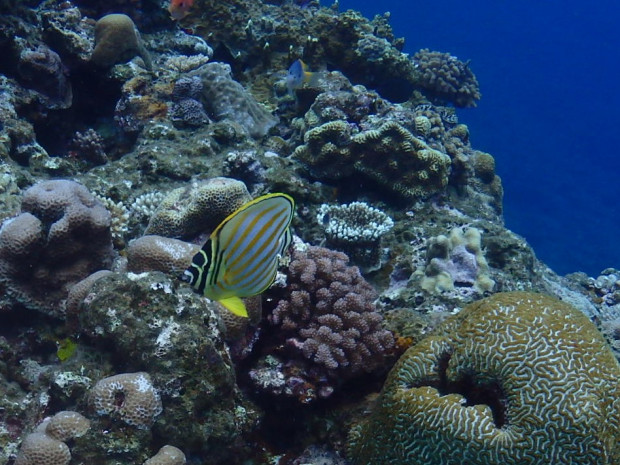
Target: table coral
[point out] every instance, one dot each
(517, 378)
(61, 236)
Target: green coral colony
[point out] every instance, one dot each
(128, 140)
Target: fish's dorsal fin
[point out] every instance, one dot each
(235, 305)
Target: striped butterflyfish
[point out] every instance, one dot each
(241, 256)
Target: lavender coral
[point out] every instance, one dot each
(328, 316)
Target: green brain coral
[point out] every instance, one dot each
(514, 379)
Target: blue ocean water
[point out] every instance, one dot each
(549, 114)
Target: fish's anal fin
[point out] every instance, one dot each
(235, 305)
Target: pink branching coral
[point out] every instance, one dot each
(329, 315)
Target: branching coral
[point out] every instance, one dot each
(328, 317)
(356, 229)
(509, 380)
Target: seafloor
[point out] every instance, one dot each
(126, 139)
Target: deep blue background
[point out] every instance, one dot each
(549, 73)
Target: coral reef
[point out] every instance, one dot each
(61, 236)
(479, 383)
(117, 40)
(376, 128)
(196, 208)
(327, 316)
(446, 78)
(356, 229)
(131, 397)
(225, 98)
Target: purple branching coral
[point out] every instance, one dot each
(328, 316)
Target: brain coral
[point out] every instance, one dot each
(62, 235)
(517, 378)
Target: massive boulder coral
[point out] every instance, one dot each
(188, 211)
(61, 236)
(517, 378)
(117, 40)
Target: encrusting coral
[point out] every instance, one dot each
(509, 380)
(62, 235)
(139, 400)
(225, 98)
(117, 40)
(390, 156)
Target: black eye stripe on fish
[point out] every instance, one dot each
(240, 259)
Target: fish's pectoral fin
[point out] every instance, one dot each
(235, 305)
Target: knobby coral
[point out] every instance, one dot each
(328, 315)
(446, 77)
(510, 380)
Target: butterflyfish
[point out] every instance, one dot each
(298, 75)
(179, 9)
(241, 256)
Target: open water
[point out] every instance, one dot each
(549, 114)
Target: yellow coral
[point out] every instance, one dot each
(515, 379)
